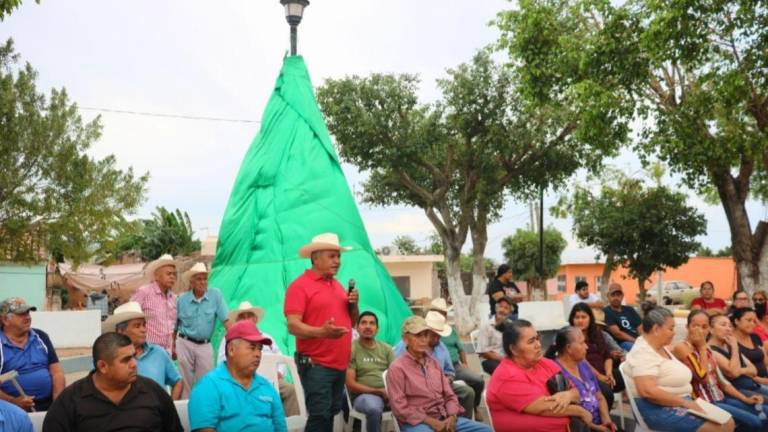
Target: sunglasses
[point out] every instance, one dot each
(758, 300)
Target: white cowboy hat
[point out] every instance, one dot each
(196, 269)
(163, 261)
(246, 306)
(436, 322)
(441, 305)
(324, 241)
(124, 312)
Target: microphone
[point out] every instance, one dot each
(351, 285)
(350, 288)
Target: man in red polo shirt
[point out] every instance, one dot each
(320, 313)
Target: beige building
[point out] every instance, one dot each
(414, 275)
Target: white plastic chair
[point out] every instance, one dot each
(629, 383)
(396, 425)
(182, 408)
(37, 420)
(488, 409)
(386, 416)
(617, 397)
(473, 335)
(268, 369)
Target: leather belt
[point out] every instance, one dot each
(193, 340)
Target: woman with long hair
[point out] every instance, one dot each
(570, 352)
(598, 353)
(744, 321)
(707, 380)
(737, 368)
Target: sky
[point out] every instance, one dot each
(220, 60)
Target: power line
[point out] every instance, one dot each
(162, 115)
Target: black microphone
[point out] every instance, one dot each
(351, 287)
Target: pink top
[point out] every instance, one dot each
(161, 314)
(760, 332)
(317, 300)
(417, 391)
(716, 303)
(513, 388)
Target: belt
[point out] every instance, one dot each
(193, 340)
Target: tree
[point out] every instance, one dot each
(166, 232)
(705, 252)
(406, 245)
(8, 6)
(522, 252)
(645, 228)
(50, 189)
(694, 74)
(456, 159)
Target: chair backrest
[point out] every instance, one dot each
(268, 369)
(544, 315)
(395, 424)
(629, 383)
(182, 408)
(473, 337)
(485, 402)
(37, 420)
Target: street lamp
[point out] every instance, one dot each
(294, 10)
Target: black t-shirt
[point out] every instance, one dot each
(628, 320)
(495, 286)
(81, 407)
(755, 355)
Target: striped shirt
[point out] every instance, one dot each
(161, 314)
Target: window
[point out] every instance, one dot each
(561, 283)
(403, 284)
(581, 279)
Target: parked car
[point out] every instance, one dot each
(673, 292)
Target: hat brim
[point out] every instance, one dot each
(154, 265)
(23, 311)
(418, 330)
(445, 332)
(110, 323)
(258, 339)
(306, 250)
(259, 312)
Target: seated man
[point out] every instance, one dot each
(419, 393)
(623, 322)
(246, 311)
(152, 361)
(370, 358)
(582, 295)
(437, 350)
(708, 302)
(233, 396)
(489, 345)
(29, 352)
(113, 397)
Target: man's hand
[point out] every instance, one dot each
(331, 331)
(450, 424)
(352, 297)
(383, 394)
(24, 402)
(435, 424)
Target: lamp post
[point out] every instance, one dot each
(294, 10)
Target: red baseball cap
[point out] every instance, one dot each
(247, 330)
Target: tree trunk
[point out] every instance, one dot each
(750, 251)
(464, 321)
(479, 233)
(641, 295)
(606, 276)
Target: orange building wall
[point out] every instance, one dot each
(720, 271)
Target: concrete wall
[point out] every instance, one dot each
(421, 274)
(27, 282)
(69, 329)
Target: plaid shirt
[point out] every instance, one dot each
(161, 314)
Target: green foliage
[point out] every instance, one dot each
(645, 228)
(521, 251)
(407, 245)
(52, 194)
(8, 6)
(167, 232)
(705, 252)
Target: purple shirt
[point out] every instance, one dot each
(419, 391)
(587, 387)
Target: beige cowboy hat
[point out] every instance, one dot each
(439, 304)
(124, 312)
(196, 269)
(436, 323)
(163, 261)
(324, 241)
(246, 306)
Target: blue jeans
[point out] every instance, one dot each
(462, 425)
(372, 406)
(743, 414)
(668, 419)
(626, 345)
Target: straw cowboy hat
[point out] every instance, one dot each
(439, 304)
(246, 306)
(163, 261)
(196, 269)
(124, 312)
(436, 323)
(324, 241)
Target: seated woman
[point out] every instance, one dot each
(740, 299)
(599, 356)
(707, 381)
(522, 393)
(736, 368)
(570, 351)
(744, 321)
(759, 300)
(662, 383)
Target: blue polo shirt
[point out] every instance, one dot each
(13, 419)
(31, 362)
(218, 401)
(196, 318)
(155, 364)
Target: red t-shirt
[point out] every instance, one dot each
(317, 300)
(716, 303)
(513, 388)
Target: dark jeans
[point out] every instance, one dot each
(472, 378)
(607, 391)
(490, 365)
(324, 394)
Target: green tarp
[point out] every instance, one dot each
(290, 188)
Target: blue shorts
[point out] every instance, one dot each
(672, 419)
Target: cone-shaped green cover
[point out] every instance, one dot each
(289, 189)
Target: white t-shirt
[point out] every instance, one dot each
(574, 298)
(266, 349)
(489, 339)
(671, 375)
